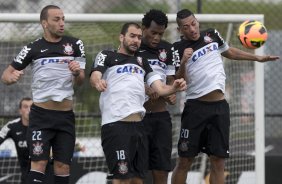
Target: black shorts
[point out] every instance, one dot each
(159, 131)
(204, 128)
(126, 149)
(51, 128)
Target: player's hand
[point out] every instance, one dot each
(267, 58)
(101, 85)
(186, 55)
(180, 84)
(16, 75)
(153, 95)
(74, 68)
(171, 99)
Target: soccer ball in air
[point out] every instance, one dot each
(252, 34)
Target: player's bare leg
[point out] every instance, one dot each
(217, 170)
(128, 181)
(181, 169)
(159, 177)
(37, 172)
(62, 172)
(39, 165)
(136, 181)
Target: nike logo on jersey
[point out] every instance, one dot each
(37, 181)
(44, 50)
(18, 133)
(141, 50)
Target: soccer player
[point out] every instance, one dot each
(205, 119)
(157, 120)
(57, 61)
(16, 130)
(119, 76)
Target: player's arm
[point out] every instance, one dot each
(165, 90)
(154, 81)
(77, 72)
(181, 72)
(11, 75)
(237, 54)
(14, 71)
(98, 68)
(170, 99)
(4, 133)
(97, 82)
(153, 95)
(77, 66)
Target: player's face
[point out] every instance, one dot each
(55, 24)
(131, 41)
(189, 28)
(25, 109)
(153, 34)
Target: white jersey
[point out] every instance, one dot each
(204, 69)
(125, 93)
(51, 77)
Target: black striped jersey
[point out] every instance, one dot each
(17, 132)
(51, 77)
(125, 76)
(204, 70)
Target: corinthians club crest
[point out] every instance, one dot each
(208, 39)
(162, 55)
(68, 49)
(37, 148)
(122, 167)
(183, 146)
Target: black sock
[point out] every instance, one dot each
(35, 177)
(62, 179)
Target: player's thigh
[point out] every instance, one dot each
(40, 133)
(160, 142)
(193, 123)
(219, 132)
(125, 148)
(63, 147)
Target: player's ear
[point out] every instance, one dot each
(44, 24)
(121, 37)
(178, 29)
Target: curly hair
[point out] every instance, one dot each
(157, 16)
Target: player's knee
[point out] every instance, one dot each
(184, 163)
(61, 168)
(39, 165)
(217, 164)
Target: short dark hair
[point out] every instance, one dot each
(157, 16)
(125, 27)
(24, 99)
(44, 11)
(182, 14)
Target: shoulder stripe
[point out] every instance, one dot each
(5, 129)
